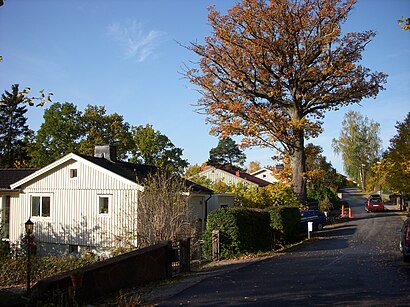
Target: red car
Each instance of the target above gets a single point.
(374, 203)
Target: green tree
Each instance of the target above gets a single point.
(323, 179)
(102, 128)
(226, 155)
(271, 69)
(359, 145)
(14, 131)
(393, 172)
(154, 148)
(59, 134)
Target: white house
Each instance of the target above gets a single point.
(265, 174)
(232, 177)
(80, 201)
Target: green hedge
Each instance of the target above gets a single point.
(285, 224)
(241, 231)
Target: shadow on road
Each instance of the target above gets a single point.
(330, 239)
(372, 215)
(346, 230)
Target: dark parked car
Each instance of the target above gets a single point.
(405, 240)
(317, 217)
(374, 203)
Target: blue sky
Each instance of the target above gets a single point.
(126, 55)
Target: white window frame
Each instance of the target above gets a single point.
(107, 196)
(41, 195)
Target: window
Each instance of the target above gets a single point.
(73, 173)
(40, 206)
(103, 204)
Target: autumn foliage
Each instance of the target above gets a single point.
(271, 69)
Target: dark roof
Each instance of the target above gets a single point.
(249, 177)
(9, 176)
(136, 172)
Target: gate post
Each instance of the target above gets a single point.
(215, 245)
(185, 254)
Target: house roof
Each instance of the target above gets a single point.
(261, 170)
(136, 173)
(249, 177)
(243, 175)
(9, 176)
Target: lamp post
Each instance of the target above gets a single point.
(29, 225)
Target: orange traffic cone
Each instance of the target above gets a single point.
(350, 213)
(343, 210)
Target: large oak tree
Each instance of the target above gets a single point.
(270, 69)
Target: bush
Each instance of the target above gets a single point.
(4, 250)
(13, 270)
(241, 231)
(285, 224)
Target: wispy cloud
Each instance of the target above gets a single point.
(137, 44)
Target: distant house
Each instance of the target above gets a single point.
(232, 177)
(265, 174)
(78, 202)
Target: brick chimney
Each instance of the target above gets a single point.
(108, 152)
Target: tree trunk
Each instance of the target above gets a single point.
(298, 164)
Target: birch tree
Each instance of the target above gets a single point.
(359, 145)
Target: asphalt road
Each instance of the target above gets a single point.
(353, 264)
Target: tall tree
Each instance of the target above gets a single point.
(59, 134)
(226, 155)
(13, 128)
(154, 148)
(394, 168)
(360, 145)
(102, 128)
(271, 69)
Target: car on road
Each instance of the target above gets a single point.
(316, 216)
(405, 240)
(374, 203)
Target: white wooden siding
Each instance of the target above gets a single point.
(74, 217)
(216, 175)
(266, 175)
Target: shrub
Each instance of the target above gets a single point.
(241, 231)
(285, 223)
(13, 270)
(4, 250)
